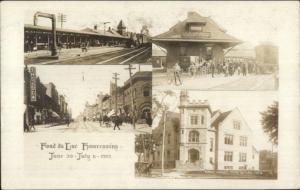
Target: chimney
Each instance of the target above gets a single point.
(95, 27)
(190, 14)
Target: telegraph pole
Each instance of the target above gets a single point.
(116, 93)
(62, 18)
(130, 68)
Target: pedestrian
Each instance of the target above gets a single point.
(31, 124)
(117, 122)
(68, 121)
(177, 70)
(212, 66)
(100, 120)
(26, 122)
(244, 69)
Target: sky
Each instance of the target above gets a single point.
(252, 22)
(250, 104)
(82, 83)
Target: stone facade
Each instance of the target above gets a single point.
(206, 140)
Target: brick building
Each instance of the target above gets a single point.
(43, 102)
(142, 94)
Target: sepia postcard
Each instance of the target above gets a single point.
(150, 95)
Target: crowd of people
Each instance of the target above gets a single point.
(210, 68)
(116, 121)
(227, 68)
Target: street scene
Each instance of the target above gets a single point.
(64, 41)
(197, 53)
(88, 99)
(196, 134)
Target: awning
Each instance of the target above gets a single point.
(54, 114)
(112, 112)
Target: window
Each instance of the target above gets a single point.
(194, 136)
(242, 167)
(211, 144)
(202, 119)
(228, 167)
(243, 141)
(195, 28)
(169, 138)
(237, 125)
(228, 139)
(168, 155)
(243, 157)
(194, 120)
(228, 156)
(146, 91)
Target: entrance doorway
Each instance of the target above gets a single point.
(193, 155)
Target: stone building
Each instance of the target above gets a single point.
(199, 139)
(195, 37)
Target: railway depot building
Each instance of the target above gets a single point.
(40, 37)
(194, 39)
(197, 139)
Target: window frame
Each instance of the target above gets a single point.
(194, 138)
(194, 119)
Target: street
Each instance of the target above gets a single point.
(91, 127)
(94, 55)
(249, 82)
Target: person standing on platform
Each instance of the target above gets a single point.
(177, 70)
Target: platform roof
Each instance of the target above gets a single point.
(86, 31)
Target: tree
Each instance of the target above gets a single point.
(269, 122)
(162, 106)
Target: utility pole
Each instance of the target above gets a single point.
(163, 144)
(131, 90)
(116, 93)
(62, 18)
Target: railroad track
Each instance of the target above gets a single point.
(116, 57)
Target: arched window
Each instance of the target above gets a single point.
(146, 91)
(194, 136)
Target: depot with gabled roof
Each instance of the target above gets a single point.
(195, 36)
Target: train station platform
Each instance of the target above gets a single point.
(41, 56)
